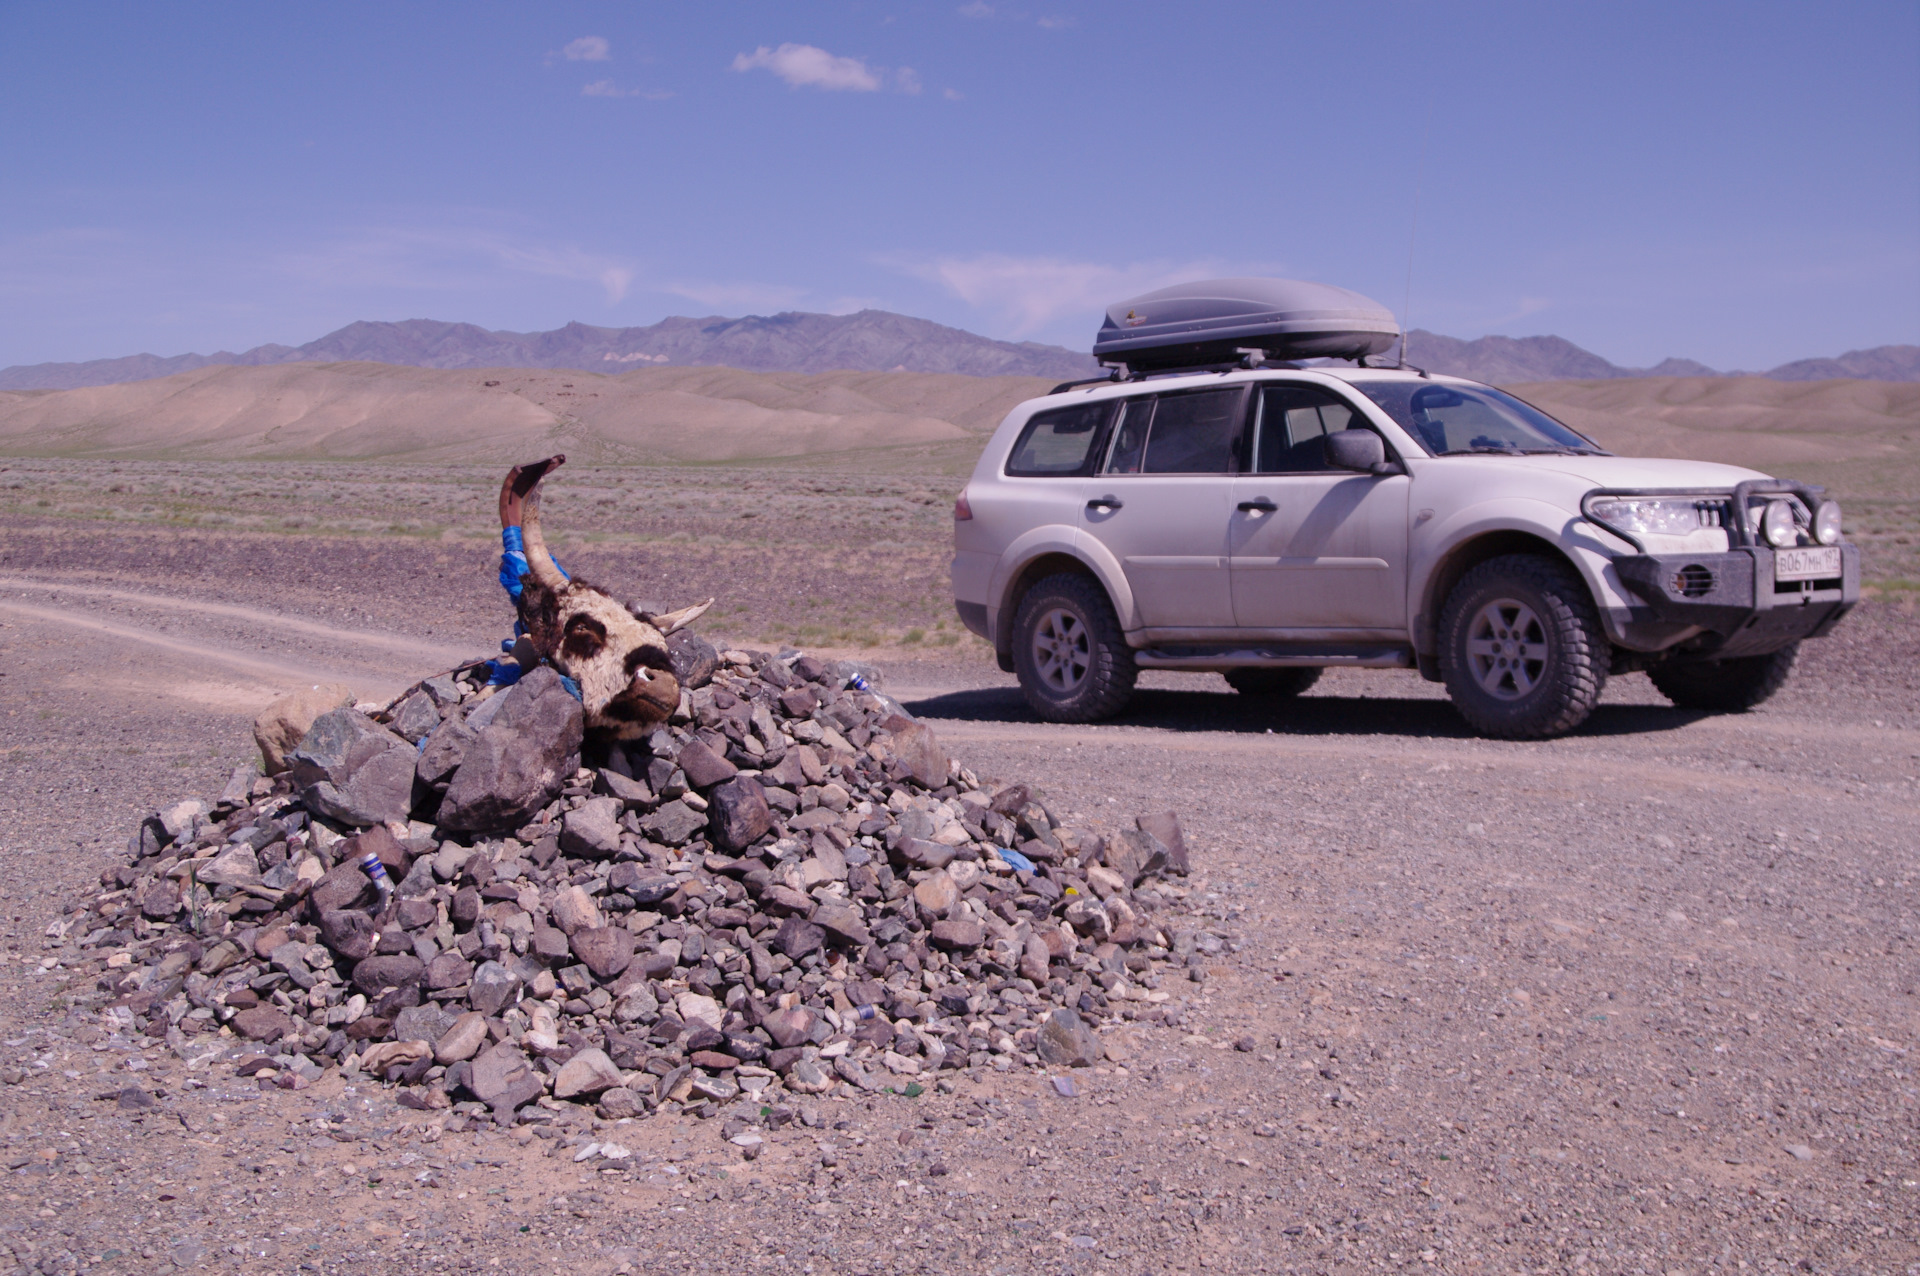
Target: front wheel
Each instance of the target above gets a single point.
(1725, 686)
(1521, 648)
(1073, 661)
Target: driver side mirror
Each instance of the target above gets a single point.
(1361, 451)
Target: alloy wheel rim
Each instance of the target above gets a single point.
(1507, 649)
(1062, 650)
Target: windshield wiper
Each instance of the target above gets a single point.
(1484, 450)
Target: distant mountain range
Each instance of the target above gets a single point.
(870, 341)
(1510, 360)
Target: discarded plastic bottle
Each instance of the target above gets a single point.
(377, 873)
(859, 683)
(863, 1013)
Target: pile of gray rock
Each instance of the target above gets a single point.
(786, 889)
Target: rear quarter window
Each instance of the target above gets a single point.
(1060, 443)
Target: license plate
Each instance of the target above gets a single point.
(1817, 563)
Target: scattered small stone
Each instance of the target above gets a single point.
(1066, 1041)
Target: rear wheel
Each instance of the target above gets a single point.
(1272, 684)
(1521, 648)
(1073, 661)
(1725, 686)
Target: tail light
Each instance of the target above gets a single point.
(962, 511)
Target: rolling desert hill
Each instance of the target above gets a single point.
(870, 341)
(1859, 436)
(371, 412)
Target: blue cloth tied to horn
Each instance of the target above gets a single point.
(514, 570)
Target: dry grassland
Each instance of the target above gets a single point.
(815, 506)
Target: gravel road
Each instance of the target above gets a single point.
(1646, 999)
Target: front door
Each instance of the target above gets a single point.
(1315, 553)
(1160, 505)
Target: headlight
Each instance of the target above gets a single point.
(1654, 515)
(1777, 525)
(1826, 523)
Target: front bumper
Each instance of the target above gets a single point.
(1728, 604)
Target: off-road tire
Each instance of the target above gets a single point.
(1272, 684)
(1725, 686)
(1521, 648)
(1071, 657)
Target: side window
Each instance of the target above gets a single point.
(1130, 439)
(1193, 433)
(1060, 442)
(1289, 423)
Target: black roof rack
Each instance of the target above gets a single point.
(1064, 386)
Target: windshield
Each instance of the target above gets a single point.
(1478, 418)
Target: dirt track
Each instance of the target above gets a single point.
(1642, 1000)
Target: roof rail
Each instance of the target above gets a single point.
(1072, 385)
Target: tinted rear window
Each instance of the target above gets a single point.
(1192, 432)
(1060, 442)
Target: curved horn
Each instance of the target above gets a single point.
(675, 620)
(520, 481)
(520, 507)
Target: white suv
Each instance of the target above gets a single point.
(1267, 523)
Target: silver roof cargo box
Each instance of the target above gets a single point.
(1215, 321)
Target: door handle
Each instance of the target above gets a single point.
(1258, 505)
(1100, 503)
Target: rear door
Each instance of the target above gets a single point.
(1314, 552)
(1160, 504)
(1049, 469)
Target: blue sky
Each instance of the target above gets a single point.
(1736, 183)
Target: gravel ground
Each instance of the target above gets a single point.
(1645, 999)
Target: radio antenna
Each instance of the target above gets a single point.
(1419, 179)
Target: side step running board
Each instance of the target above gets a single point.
(1220, 659)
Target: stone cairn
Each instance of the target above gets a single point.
(785, 890)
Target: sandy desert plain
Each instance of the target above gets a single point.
(1641, 1000)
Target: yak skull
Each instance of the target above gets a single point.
(616, 654)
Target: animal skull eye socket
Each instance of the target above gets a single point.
(584, 637)
(651, 657)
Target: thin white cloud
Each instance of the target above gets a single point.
(1527, 307)
(952, 95)
(1029, 293)
(449, 259)
(981, 11)
(607, 88)
(588, 48)
(806, 66)
(736, 296)
(907, 80)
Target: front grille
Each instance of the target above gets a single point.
(1712, 513)
(1695, 580)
